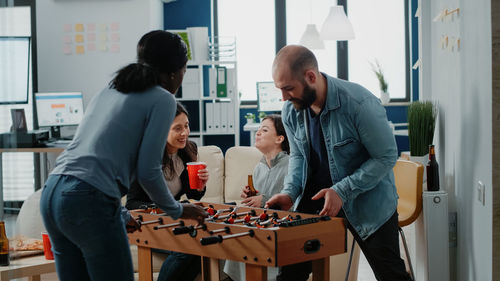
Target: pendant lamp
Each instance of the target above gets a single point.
(337, 26)
(311, 38)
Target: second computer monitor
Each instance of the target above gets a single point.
(269, 98)
(59, 109)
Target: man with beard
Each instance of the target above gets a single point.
(342, 152)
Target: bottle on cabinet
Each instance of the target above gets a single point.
(4, 245)
(432, 170)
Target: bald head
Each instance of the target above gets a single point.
(295, 58)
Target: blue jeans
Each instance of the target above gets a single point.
(179, 266)
(88, 237)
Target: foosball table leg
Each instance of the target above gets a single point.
(144, 260)
(210, 269)
(255, 272)
(321, 269)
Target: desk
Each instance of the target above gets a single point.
(30, 267)
(43, 176)
(252, 128)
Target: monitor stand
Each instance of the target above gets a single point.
(55, 132)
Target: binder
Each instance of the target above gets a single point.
(212, 82)
(191, 84)
(223, 117)
(216, 116)
(230, 117)
(209, 117)
(231, 82)
(221, 82)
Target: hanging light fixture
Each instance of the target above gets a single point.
(311, 38)
(337, 26)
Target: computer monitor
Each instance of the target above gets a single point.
(269, 98)
(59, 109)
(14, 69)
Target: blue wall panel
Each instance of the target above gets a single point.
(187, 13)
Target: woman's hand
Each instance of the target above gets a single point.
(203, 174)
(246, 192)
(253, 201)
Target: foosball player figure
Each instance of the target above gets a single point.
(264, 216)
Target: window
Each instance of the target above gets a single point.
(18, 169)
(252, 23)
(380, 28)
(299, 13)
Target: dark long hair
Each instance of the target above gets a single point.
(187, 154)
(158, 52)
(280, 130)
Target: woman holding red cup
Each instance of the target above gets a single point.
(179, 152)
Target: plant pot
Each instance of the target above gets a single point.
(250, 121)
(385, 98)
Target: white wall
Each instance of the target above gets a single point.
(92, 71)
(461, 83)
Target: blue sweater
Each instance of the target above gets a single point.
(122, 138)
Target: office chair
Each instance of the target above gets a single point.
(408, 178)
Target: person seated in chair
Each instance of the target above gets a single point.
(268, 177)
(178, 151)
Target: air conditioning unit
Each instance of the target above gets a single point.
(435, 212)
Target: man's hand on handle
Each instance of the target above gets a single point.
(333, 202)
(282, 200)
(194, 212)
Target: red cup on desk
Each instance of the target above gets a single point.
(193, 168)
(47, 247)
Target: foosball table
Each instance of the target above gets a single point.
(257, 237)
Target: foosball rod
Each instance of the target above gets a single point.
(180, 223)
(218, 239)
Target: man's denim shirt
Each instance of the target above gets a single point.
(361, 151)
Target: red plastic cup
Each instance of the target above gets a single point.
(194, 180)
(47, 247)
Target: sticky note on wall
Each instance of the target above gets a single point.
(79, 27)
(79, 50)
(79, 38)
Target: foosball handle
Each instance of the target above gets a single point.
(211, 240)
(183, 230)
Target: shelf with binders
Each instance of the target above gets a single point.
(209, 93)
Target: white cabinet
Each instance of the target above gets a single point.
(210, 94)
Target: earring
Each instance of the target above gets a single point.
(172, 77)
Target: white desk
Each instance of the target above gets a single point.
(252, 128)
(31, 267)
(43, 162)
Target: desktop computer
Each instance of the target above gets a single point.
(57, 109)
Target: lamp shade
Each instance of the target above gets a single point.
(311, 38)
(337, 26)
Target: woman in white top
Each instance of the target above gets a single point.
(268, 178)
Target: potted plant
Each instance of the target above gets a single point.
(262, 115)
(421, 123)
(385, 98)
(250, 117)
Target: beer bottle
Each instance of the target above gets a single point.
(432, 171)
(4, 245)
(253, 192)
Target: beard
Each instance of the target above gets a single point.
(308, 98)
